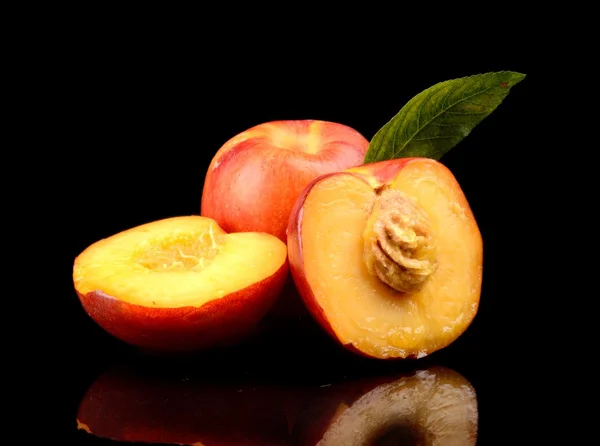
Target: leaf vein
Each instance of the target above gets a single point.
(479, 104)
(451, 92)
(467, 113)
(439, 137)
(428, 117)
(442, 111)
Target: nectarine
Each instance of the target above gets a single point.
(180, 283)
(388, 257)
(255, 178)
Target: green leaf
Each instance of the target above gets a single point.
(437, 119)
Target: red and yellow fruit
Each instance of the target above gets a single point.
(180, 283)
(255, 178)
(388, 257)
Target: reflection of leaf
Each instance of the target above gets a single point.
(437, 119)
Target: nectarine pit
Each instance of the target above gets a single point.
(399, 243)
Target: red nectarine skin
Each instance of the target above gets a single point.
(255, 178)
(217, 322)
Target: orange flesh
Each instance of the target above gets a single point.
(361, 309)
(177, 262)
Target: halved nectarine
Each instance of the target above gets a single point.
(180, 283)
(388, 257)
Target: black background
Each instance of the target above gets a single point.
(142, 115)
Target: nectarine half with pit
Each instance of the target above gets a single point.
(388, 257)
(181, 283)
(255, 178)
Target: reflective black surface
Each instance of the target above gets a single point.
(129, 403)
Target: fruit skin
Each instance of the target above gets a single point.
(219, 322)
(374, 174)
(255, 178)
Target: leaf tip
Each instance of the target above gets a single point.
(513, 79)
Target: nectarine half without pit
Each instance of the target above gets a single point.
(180, 283)
(255, 178)
(388, 257)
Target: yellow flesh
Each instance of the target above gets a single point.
(177, 262)
(361, 309)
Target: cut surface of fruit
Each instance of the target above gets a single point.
(361, 309)
(177, 262)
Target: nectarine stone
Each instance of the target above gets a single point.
(180, 283)
(388, 257)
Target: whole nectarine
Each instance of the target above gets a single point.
(255, 178)
(181, 283)
(388, 257)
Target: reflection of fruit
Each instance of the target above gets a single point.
(180, 283)
(138, 402)
(430, 407)
(126, 405)
(388, 257)
(255, 178)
